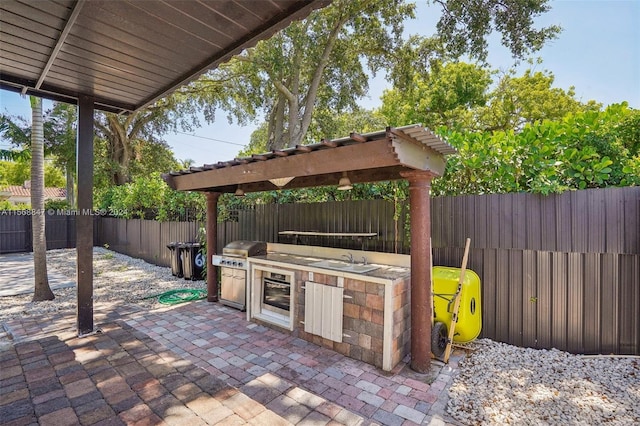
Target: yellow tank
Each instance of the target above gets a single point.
(445, 283)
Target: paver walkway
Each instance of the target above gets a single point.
(200, 363)
(16, 275)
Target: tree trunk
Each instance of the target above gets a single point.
(71, 199)
(42, 291)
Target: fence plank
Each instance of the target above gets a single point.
(632, 221)
(609, 304)
(614, 212)
(629, 304)
(529, 299)
(544, 299)
(592, 302)
(559, 314)
(597, 224)
(516, 275)
(579, 222)
(575, 307)
(502, 295)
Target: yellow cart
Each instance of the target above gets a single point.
(445, 284)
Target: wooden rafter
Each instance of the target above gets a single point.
(382, 156)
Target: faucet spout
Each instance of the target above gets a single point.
(349, 257)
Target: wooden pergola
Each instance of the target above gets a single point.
(410, 152)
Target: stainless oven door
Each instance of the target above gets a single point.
(276, 296)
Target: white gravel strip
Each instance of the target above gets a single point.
(500, 384)
(117, 279)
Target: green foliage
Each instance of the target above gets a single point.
(151, 198)
(517, 101)
(6, 205)
(56, 205)
(177, 204)
(127, 138)
(60, 133)
(444, 96)
(464, 26)
(308, 71)
(584, 150)
(16, 173)
(53, 177)
(132, 200)
(459, 95)
(14, 155)
(15, 130)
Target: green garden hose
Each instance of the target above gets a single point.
(173, 297)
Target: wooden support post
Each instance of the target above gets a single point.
(212, 236)
(421, 298)
(84, 220)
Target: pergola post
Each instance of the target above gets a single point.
(84, 220)
(212, 236)
(421, 298)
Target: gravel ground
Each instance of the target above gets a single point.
(116, 279)
(500, 384)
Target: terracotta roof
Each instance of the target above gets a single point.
(21, 191)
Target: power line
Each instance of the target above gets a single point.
(212, 139)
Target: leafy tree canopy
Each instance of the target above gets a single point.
(460, 95)
(465, 25)
(316, 68)
(17, 172)
(586, 149)
(127, 137)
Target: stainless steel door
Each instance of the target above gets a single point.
(233, 288)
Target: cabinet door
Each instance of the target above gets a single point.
(323, 307)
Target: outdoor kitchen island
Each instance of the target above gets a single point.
(360, 309)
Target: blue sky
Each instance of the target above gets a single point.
(598, 52)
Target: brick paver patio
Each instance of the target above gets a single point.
(200, 363)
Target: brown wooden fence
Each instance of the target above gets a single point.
(145, 239)
(557, 271)
(16, 237)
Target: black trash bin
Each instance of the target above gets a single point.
(193, 261)
(176, 259)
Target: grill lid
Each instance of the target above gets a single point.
(245, 248)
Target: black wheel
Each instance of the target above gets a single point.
(439, 338)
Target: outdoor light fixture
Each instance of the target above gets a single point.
(280, 182)
(345, 183)
(239, 192)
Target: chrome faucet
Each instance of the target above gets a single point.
(364, 260)
(349, 256)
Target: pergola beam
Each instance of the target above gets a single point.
(61, 40)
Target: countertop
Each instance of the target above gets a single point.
(384, 272)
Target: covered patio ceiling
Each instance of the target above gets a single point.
(121, 56)
(370, 157)
(127, 54)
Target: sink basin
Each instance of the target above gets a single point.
(344, 266)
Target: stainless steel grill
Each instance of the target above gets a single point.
(233, 263)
